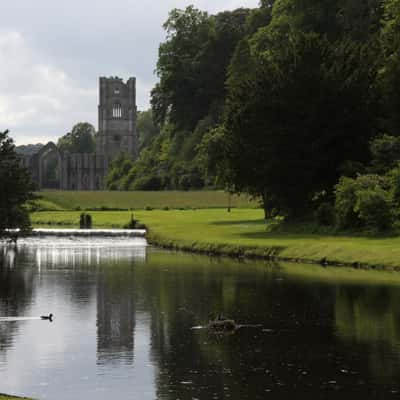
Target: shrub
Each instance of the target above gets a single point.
(374, 209)
(85, 221)
(345, 200)
(394, 182)
(325, 214)
(385, 153)
(89, 221)
(364, 202)
(131, 224)
(191, 180)
(149, 182)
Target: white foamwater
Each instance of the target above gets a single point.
(56, 251)
(89, 232)
(13, 319)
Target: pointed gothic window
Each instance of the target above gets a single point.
(117, 111)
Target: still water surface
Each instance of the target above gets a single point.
(124, 315)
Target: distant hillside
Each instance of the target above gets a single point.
(29, 149)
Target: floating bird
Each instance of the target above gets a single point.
(47, 317)
(222, 324)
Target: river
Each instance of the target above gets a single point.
(125, 312)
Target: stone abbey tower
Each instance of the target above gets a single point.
(117, 118)
(52, 169)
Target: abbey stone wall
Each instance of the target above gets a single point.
(117, 134)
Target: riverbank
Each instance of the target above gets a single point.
(240, 233)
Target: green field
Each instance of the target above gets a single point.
(140, 200)
(242, 232)
(5, 397)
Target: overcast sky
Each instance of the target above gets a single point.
(52, 53)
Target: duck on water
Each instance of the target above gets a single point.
(222, 324)
(47, 317)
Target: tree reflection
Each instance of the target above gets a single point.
(184, 291)
(318, 336)
(115, 314)
(370, 316)
(16, 292)
(297, 350)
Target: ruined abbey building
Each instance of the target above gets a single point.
(53, 169)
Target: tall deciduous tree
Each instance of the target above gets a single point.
(390, 73)
(317, 16)
(146, 127)
(177, 66)
(192, 64)
(80, 140)
(359, 19)
(15, 189)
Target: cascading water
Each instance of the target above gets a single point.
(89, 232)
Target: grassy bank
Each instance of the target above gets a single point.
(242, 232)
(5, 397)
(55, 200)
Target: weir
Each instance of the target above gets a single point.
(89, 232)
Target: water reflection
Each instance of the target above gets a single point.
(371, 315)
(251, 363)
(78, 252)
(7, 255)
(115, 297)
(15, 296)
(115, 316)
(124, 317)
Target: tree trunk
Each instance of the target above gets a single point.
(265, 205)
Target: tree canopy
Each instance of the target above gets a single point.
(81, 139)
(390, 71)
(302, 102)
(146, 127)
(15, 189)
(187, 101)
(304, 109)
(278, 101)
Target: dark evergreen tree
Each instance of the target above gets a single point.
(305, 106)
(390, 72)
(15, 189)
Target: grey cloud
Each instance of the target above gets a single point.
(53, 52)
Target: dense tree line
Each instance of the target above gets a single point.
(186, 103)
(280, 101)
(305, 107)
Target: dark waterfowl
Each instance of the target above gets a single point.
(47, 317)
(222, 324)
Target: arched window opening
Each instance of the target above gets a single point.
(117, 111)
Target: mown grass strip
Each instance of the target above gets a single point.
(241, 233)
(140, 200)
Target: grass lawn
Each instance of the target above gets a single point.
(5, 397)
(241, 232)
(68, 200)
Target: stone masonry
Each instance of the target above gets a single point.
(53, 169)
